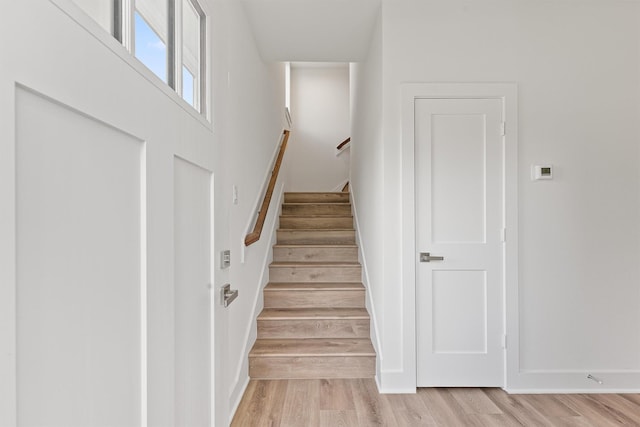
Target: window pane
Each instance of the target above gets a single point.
(150, 48)
(187, 86)
(190, 53)
(156, 13)
(100, 10)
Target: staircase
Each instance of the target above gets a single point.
(314, 323)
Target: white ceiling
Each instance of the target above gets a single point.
(317, 64)
(312, 30)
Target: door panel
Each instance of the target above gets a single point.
(193, 237)
(457, 164)
(79, 268)
(459, 307)
(459, 176)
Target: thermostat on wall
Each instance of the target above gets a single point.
(541, 172)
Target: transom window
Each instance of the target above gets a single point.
(167, 36)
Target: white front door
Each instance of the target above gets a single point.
(459, 217)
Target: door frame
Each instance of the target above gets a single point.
(508, 93)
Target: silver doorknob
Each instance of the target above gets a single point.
(427, 257)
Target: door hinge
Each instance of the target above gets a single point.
(504, 341)
(503, 128)
(503, 235)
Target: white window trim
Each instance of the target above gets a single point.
(121, 50)
(200, 74)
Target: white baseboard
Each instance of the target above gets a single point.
(238, 399)
(573, 381)
(395, 382)
(571, 391)
(392, 390)
(375, 337)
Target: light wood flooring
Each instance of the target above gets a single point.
(356, 402)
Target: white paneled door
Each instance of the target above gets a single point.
(459, 223)
(193, 234)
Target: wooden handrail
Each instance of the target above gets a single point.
(254, 236)
(343, 143)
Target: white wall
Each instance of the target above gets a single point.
(367, 175)
(249, 99)
(65, 59)
(577, 66)
(320, 114)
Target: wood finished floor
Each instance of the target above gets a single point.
(339, 402)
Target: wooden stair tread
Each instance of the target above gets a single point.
(319, 246)
(316, 216)
(315, 203)
(341, 196)
(314, 252)
(328, 216)
(314, 286)
(311, 347)
(328, 236)
(315, 230)
(300, 294)
(312, 192)
(316, 208)
(307, 222)
(313, 313)
(314, 264)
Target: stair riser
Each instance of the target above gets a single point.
(313, 298)
(315, 254)
(311, 367)
(320, 237)
(315, 274)
(316, 198)
(328, 328)
(316, 209)
(316, 223)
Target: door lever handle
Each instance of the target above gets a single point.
(427, 257)
(227, 295)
